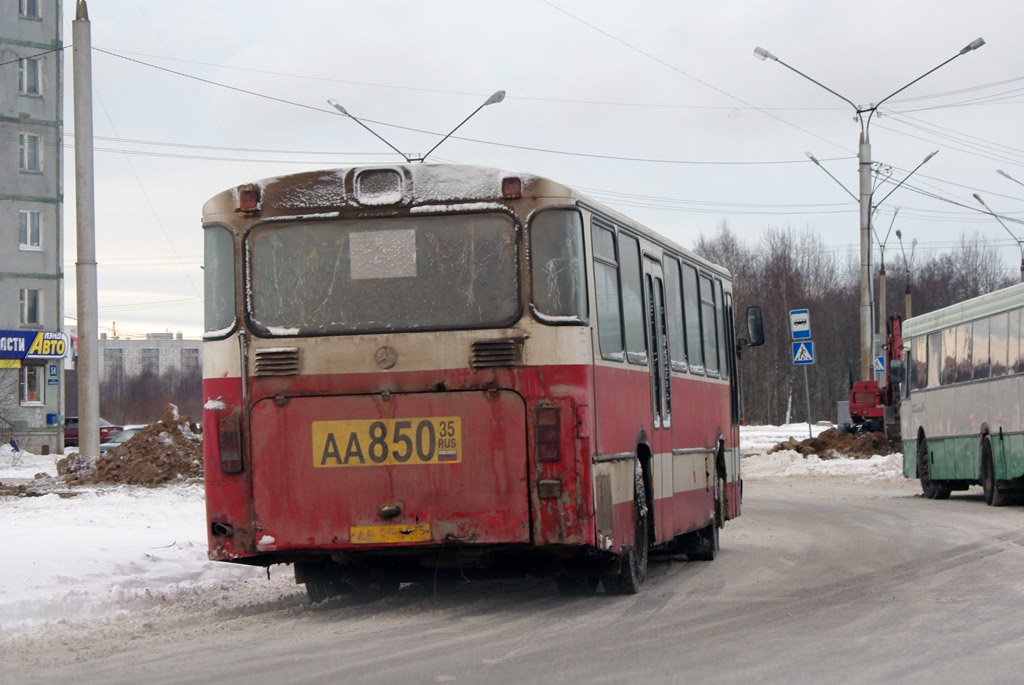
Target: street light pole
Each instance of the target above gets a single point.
(864, 161)
(1019, 241)
(881, 275)
(906, 264)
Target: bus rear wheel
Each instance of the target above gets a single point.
(633, 562)
(931, 490)
(994, 495)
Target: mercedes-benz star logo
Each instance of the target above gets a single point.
(386, 357)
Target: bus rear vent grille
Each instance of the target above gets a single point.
(277, 361)
(490, 353)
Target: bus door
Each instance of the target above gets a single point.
(661, 397)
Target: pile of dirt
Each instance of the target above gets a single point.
(833, 443)
(170, 449)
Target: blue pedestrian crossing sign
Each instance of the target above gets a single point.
(803, 352)
(879, 364)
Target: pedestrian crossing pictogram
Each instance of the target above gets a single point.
(803, 352)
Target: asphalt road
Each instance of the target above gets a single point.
(820, 580)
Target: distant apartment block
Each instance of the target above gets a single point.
(159, 352)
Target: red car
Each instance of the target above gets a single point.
(107, 431)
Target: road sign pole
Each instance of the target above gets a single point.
(807, 391)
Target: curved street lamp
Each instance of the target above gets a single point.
(1019, 241)
(864, 157)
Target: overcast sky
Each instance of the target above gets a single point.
(657, 108)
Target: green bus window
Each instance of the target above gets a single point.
(964, 360)
(1014, 356)
(980, 351)
(998, 344)
(934, 360)
(948, 376)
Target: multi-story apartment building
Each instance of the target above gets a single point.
(158, 352)
(31, 236)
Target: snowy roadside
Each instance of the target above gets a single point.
(757, 464)
(110, 551)
(104, 551)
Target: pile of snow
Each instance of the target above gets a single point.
(756, 441)
(81, 552)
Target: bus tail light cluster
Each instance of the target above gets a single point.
(548, 422)
(229, 443)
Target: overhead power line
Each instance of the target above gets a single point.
(570, 153)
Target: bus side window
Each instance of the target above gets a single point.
(720, 319)
(674, 303)
(1016, 359)
(709, 326)
(558, 278)
(218, 282)
(632, 299)
(998, 328)
(964, 359)
(980, 350)
(948, 376)
(918, 366)
(606, 292)
(691, 315)
(934, 359)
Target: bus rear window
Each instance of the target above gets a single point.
(383, 275)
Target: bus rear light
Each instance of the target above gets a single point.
(512, 187)
(248, 197)
(229, 443)
(548, 425)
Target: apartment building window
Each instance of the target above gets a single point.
(31, 384)
(29, 230)
(29, 9)
(31, 307)
(31, 152)
(28, 76)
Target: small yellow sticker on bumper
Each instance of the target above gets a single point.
(365, 535)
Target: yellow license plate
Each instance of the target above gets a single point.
(393, 442)
(418, 532)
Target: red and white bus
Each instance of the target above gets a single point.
(418, 369)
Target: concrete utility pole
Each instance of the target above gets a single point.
(864, 160)
(88, 316)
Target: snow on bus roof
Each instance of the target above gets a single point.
(438, 184)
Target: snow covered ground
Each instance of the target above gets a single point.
(112, 550)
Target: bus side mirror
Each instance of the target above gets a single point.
(755, 330)
(896, 371)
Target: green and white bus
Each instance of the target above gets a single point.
(962, 421)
